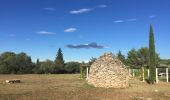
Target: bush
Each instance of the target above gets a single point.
(72, 67)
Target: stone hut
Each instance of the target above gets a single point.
(108, 71)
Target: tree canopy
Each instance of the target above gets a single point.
(121, 57)
(15, 63)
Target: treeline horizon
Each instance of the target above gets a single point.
(21, 63)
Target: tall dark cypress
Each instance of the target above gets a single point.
(152, 59)
(59, 58)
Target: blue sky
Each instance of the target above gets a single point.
(82, 28)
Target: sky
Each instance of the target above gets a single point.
(82, 28)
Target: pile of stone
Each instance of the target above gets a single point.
(13, 81)
(108, 71)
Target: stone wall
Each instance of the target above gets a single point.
(107, 71)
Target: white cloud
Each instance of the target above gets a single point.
(131, 20)
(79, 11)
(70, 30)
(118, 21)
(49, 9)
(102, 6)
(45, 33)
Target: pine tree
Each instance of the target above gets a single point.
(132, 59)
(59, 61)
(121, 57)
(37, 62)
(152, 58)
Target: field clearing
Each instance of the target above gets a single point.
(70, 87)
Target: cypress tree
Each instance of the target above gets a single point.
(152, 59)
(37, 62)
(59, 61)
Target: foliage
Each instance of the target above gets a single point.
(82, 71)
(46, 67)
(140, 58)
(92, 60)
(168, 63)
(11, 63)
(152, 57)
(121, 57)
(59, 62)
(72, 67)
(15, 63)
(143, 56)
(59, 58)
(132, 59)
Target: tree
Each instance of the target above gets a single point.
(8, 63)
(140, 59)
(24, 63)
(143, 56)
(168, 63)
(59, 61)
(121, 57)
(152, 57)
(132, 59)
(46, 67)
(37, 66)
(72, 67)
(82, 70)
(11, 63)
(143, 60)
(158, 59)
(92, 60)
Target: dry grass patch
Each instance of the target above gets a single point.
(71, 87)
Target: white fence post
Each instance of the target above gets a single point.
(143, 74)
(133, 73)
(156, 75)
(148, 73)
(87, 72)
(167, 77)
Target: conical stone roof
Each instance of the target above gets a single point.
(108, 71)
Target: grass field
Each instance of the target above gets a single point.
(70, 87)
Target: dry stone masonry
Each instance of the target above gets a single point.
(108, 71)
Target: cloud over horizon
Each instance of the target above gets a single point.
(118, 21)
(84, 10)
(125, 20)
(79, 11)
(45, 33)
(86, 46)
(70, 30)
(49, 9)
(102, 6)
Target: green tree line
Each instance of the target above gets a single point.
(138, 58)
(12, 63)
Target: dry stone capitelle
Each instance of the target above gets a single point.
(108, 71)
